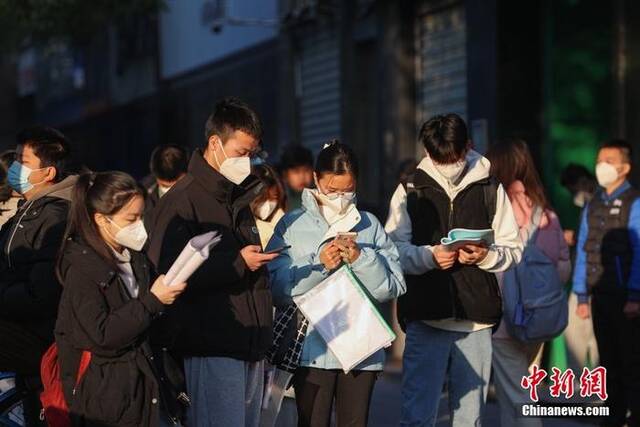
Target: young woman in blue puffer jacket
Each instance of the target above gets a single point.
(314, 254)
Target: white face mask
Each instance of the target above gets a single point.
(336, 202)
(606, 174)
(265, 210)
(133, 236)
(235, 169)
(451, 172)
(581, 198)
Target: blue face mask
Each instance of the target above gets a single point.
(18, 177)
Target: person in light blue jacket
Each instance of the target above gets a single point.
(314, 254)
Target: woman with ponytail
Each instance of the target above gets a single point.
(108, 304)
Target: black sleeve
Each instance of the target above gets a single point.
(225, 265)
(37, 295)
(109, 329)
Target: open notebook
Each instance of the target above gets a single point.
(459, 237)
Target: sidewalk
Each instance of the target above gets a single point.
(385, 408)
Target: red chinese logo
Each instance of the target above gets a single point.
(592, 382)
(532, 381)
(562, 383)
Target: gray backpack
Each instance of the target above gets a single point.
(534, 300)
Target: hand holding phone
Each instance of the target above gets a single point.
(349, 250)
(345, 238)
(278, 250)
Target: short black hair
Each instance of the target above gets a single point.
(573, 174)
(49, 145)
(622, 145)
(445, 138)
(295, 156)
(338, 159)
(169, 162)
(230, 115)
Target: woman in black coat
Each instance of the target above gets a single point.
(107, 308)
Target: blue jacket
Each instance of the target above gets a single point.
(580, 271)
(298, 269)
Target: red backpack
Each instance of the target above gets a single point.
(55, 408)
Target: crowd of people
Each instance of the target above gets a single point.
(84, 256)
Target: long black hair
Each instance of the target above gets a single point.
(338, 159)
(102, 192)
(270, 178)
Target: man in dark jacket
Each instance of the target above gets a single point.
(168, 165)
(607, 272)
(29, 291)
(222, 325)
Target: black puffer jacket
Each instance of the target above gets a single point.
(29, 291)
(226, 310)
(122, 385)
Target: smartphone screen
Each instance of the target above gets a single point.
(278, 250)
(344, 238)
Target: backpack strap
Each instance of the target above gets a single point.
(491, 197)
(412, 194)
(534, 224)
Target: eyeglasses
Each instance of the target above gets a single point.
(336, 195)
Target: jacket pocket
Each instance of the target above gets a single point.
(104, 395)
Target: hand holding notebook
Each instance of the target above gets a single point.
(195, 252)
(460, 237)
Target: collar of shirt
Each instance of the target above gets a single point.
(609, 197)
(124, 257)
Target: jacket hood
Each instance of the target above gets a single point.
(478, 168)
(61, 190)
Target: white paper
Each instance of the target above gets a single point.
(345, 318)
(195, 252)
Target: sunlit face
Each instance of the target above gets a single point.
(26, 156)
(239, 144)
(615, 157)
(299, 178)
(271, 193)
(332, 184)
(130, 213)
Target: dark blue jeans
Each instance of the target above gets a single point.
(434, 356)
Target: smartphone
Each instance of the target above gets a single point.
(344, 238)
(277, 250)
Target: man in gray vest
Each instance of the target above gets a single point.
(608, 270)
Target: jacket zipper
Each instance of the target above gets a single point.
(453, 302)
(450, 214)
(255, 338)
(13, 234)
